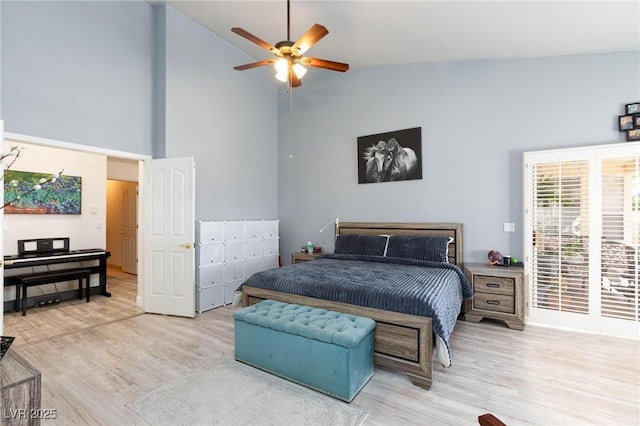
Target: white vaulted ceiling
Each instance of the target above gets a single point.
(368, 33)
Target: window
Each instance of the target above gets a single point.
(581, 245)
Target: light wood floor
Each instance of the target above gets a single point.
(96, 357)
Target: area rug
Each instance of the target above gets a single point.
(228, 392)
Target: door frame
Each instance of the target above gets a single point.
(35, 140)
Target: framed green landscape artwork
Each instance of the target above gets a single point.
(38, 193)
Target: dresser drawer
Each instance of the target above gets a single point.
(493, 302)
(209, 253)
(234, 251)
(234, 230)
(210, 232)
(270, 247)
(494, 285)
(253, 229)
(253, 248)
(270, 229)
(209, 275)
(209, 298)
(233, 271)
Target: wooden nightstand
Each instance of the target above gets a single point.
(302, 257)
(498, 293)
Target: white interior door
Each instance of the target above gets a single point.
(130, 228)
(169, 235)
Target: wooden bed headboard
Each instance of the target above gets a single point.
(453, 230)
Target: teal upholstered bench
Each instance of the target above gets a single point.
(328, 351)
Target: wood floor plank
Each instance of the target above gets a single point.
(95, 361)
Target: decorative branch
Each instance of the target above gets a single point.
(14, 153)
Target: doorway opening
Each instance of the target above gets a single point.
(122, 225)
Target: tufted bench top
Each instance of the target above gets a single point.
(319, 324)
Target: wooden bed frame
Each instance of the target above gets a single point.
(402, 341)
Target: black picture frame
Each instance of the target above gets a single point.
(625, 122)
(390, 156)
(633, 108)
(633, 135)
(636, 121)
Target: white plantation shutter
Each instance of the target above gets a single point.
(619, 247)
(582, 217)
(560, 256)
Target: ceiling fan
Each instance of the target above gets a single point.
(289, 62)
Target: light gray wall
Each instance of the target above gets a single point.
(477, 119)
(145, 79)
(83, 72)
(79, 72)
(225, 118)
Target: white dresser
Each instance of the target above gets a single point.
(228, 252)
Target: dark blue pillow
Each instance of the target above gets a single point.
(422, 247)
(371, 245)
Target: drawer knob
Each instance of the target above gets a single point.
(493, 302)
(493, 285)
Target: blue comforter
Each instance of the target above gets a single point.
(430, 289)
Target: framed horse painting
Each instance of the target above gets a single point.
(391, 156)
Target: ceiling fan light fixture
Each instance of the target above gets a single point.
(282, 65)
(283, 76)
(299, 70)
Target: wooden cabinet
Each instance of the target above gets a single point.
(302, 257)
(498, 293)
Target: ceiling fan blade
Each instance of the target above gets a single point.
(323, 63)
(256, 40)
(254, 64)
(308, 39)
(295, 81)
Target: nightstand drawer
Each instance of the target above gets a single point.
(494, 285)
(302, 257)
(493, 302)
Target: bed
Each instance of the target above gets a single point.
(376, 272)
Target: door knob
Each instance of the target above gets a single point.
(186, 245)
